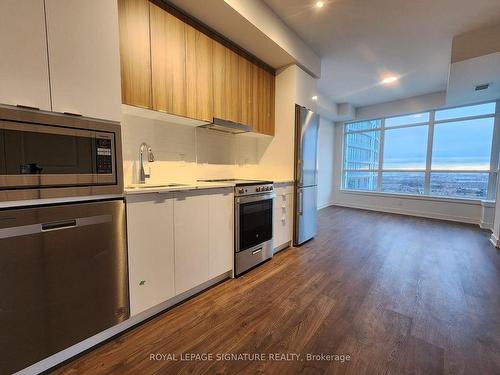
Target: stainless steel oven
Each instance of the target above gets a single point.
(47, 155)
(253, 230)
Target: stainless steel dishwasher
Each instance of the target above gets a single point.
(63, 278)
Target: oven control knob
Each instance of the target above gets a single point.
(241, 191)
(258, 188)
(270, 188)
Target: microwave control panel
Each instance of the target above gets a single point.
(104, 158)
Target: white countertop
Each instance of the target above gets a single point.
(162, 188)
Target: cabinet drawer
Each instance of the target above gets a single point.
(283, 189)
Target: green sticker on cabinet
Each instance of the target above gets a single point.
(142, 282)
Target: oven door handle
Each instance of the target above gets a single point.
(254, 198)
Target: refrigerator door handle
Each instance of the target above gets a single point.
(299, 171)
(301, 198)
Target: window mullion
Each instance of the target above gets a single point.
(381, 155)
(494, 157)
(428, 160)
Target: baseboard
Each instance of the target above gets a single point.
(495, 241)
(282, 247)
(485, 225)
(459, 219)
(91, 342)
(325, 205)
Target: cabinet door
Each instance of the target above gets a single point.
(266, 102)
(226, 83)
(24, 70)
(232, 86)
(199, 87)
(219, 79)
(150, 229)
(84, 57)
(255, 100)
(221, 232)
(191, 240)
(245, 91)
(168, 62)
(135, 52)
(283, 218)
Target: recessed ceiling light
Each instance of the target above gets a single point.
(319, 4)
(315, 97)
(390, 79)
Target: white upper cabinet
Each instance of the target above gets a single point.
(24, 72)
(84, 57)
(191, 240)
(221, 235)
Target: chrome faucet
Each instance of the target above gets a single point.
(151, 158)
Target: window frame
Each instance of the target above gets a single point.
(494, 156)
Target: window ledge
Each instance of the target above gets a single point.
(469, 201)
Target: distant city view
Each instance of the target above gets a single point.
(459, 159)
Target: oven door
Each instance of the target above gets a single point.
(45, 156)
(254, 220)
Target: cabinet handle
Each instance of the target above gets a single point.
(22, 106)
(73, 114)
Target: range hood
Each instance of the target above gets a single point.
(226, 126)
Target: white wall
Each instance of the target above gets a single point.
(403, 106)
(461, 210)
(326, 163)
(262, 17)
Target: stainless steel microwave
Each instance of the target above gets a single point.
(48, 155)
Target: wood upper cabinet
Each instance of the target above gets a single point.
(199, 82)
(135, 52)
(170, 66)
(266, 102)
(226, 83)
(24, 70)
(262, 100)
(168, 62)
(245, 92)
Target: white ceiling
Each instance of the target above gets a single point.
(221, 17)
(361, 40)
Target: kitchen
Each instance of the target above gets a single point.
(165, 163)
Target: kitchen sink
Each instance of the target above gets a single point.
(146, 186)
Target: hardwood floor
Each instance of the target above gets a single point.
(400, 295)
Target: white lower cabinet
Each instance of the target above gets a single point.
(283, 216)
(221, 232)
(150, 232)
(177, 241)
(191, 240)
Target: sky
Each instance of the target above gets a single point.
(456, 145)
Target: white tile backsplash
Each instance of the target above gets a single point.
(184, 153)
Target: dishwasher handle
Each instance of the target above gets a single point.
(46, 227)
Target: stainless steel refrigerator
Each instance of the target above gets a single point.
(306, 175)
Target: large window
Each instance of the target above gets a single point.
(447, 153)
